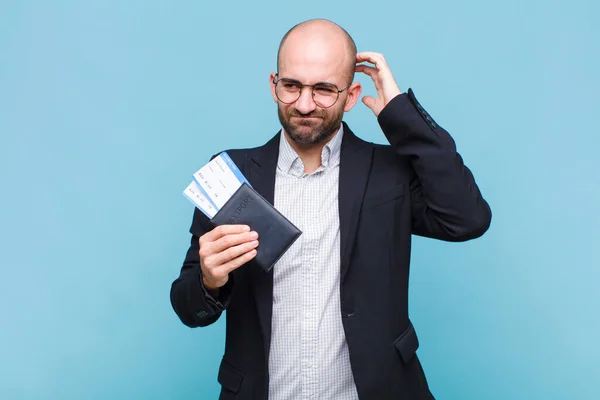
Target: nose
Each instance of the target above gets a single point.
(305, 103)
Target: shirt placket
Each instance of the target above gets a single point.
(310, 286)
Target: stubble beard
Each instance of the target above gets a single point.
(309, 132)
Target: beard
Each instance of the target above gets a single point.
(310, 131)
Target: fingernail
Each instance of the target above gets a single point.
(253, 235)
(246, 228)
(255, 243)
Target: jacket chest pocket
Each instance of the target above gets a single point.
(383, 197)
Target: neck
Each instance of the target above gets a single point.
(310, 154)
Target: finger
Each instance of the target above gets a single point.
(231, 240)
(370, 56)
(234, 252)
(223, 230)
(371, 71)
(369, 102)
(239, 261)
(373, 58)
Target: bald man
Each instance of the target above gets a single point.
(330, 320)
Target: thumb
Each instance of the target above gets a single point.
(369, 101)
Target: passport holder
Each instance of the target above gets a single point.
(275, 232)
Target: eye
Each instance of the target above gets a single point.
(290, 85)
(325, 89)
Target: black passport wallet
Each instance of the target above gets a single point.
(275, 232)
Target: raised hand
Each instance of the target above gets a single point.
(382, 76)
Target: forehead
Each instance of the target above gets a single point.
(312, 61)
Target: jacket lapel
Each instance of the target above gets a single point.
(355, 166)
(262, 165)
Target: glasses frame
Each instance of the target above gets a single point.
(312, 91)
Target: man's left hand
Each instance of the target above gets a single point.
(382, 76)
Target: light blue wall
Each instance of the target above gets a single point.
(107, 107)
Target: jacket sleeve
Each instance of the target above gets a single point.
(194, 305)
(445, 200)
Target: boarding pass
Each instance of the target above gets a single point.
(214, 184)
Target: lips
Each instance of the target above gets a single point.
(304, 121)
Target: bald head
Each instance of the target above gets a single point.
(319, 41)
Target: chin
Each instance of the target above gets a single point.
(306, 130)
(305, 138)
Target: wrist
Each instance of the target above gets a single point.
(211, 288)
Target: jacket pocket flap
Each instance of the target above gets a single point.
(407, 343)
(385, 196)
(230, 377)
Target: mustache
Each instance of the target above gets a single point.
(312, 114)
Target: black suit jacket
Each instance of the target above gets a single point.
(416, 185)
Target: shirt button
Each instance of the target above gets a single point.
(306, 314)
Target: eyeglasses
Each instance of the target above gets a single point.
(324, 94)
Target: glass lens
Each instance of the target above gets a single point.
(288, 91)
(325, 95)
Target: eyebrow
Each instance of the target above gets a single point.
(316, 83)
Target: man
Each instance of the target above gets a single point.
(330, 321)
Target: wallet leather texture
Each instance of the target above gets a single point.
(275, 232)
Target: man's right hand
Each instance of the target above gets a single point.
(224, 249)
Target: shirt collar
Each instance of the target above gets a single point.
(289, 161)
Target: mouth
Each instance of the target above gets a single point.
(306, 118)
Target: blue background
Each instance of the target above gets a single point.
(107, 108)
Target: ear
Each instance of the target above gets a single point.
(354, 92)
(271, 80)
